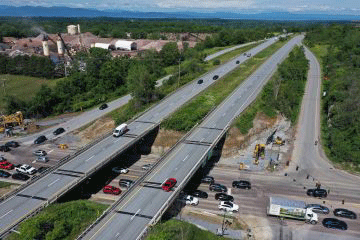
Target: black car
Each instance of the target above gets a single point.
(125, 183)
(20, 176)
(342, 212)
(241, 184)
(237, 62)
(40, 139)
(12, 144)
(198, 193)
(4, 148)
(215, 77)
(317, 192)
(334, 223)
(4, 174)
(103, 106)
(59, 131)
(200, 81)
(208, 179)
(217, 187)
(317, 208)
(224, 197)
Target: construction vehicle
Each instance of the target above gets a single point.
(63, 146)
(259, 151)
(279, 141)
(16, 119)
(243, 166)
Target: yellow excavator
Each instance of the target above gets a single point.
(259, 151)
(279, 141)
(16, 119)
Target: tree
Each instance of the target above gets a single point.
(141, 84)
(170, 54)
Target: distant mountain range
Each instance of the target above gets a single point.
(29, 11)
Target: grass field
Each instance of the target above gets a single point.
(22, 87)
(4, 184)
(179, 230)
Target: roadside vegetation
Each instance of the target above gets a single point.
(179, 230)
(338, 48)
(60, 221)
(282, 94)
(187, 116)
(4, 184)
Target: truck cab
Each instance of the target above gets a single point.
(311, 217)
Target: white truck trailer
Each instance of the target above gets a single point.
(287, 208)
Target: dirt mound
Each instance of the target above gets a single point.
(96, 129)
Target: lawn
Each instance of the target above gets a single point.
(22, 87)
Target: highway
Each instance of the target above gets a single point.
(51, 186)
(147, 201)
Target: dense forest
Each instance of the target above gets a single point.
(341, 96)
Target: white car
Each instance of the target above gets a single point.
(120, 170)
(228, 206)
(190, 200)
(25, 169)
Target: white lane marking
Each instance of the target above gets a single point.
(90, 158)
(135, 214)
(53, 182)
(51, 150)
(34, 161)
(117, 140)
(202, 139)
(117, 234)
(185, 158)
(176, 169)
(6, 213)
(224, 114)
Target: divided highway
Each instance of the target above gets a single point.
(146, 202)
(47, 189)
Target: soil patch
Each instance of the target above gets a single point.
(95, 130)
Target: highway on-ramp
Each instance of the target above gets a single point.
(147, 200)
(48, 188)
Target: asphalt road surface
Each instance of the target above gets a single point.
(137, 210)
(68, 175)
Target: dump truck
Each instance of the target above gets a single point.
(288, 208)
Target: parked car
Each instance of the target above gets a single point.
(103, 106)
(40, 139)
(4, 148)
(237, 62)
(207, 179)
(4, 174)
(24, 168)
(200, 81)
(241, 184)
(120, 170)
(6, 165)
(228, 206)
(215, 77)
(317, 192)
(189, 200)
(2, 159)
(111, 190)
(198, 193)
(146, 167)
(317, 208)
(217, 187)
(59, 131)
(39, 153)
(334, 223)
(20, 176)
(42, 159)
(248, 55)
(342, 212)
(169, 184)
(224, 197)
(12, 144)
(125, 183)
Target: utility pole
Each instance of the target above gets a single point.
(179, 73)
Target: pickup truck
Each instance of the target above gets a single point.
(25, 169)
(287, 208)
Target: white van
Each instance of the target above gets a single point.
(120, 130)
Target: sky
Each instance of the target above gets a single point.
(343, 7)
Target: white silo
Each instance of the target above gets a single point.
(60, 47)
(72, 29)
(45, 46)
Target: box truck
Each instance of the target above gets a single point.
(287, 208)
(120, 130)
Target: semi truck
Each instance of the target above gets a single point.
(288, 208)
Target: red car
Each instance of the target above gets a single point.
(111, 190)
(6, 165)
(169, 184)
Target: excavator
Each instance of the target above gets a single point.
(16, 119)
(259, 152)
